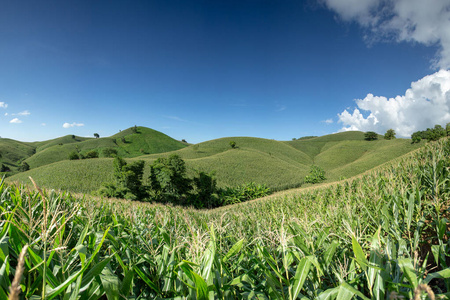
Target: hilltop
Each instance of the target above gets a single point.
(278, 164)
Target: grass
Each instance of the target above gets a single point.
(375, 236)
(279, 165)
(127, 143)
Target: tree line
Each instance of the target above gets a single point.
(169, 183)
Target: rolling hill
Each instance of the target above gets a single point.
(131, 142)
(278, 164)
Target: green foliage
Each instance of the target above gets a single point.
(245, 192)
(389, 135)
(74, 155)
(4, 168)
(128, 181)
(233, 144)
(24, 167)
(447, 129)
(416, 137)
(204, 191)
(96, 135)
(168, 181)
(91, 154)
(370, 136)
(109, 152)
(316, 175)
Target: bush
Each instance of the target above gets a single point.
(24, 167)
(91, 154)
(370, 136)
(109, 152)
(316, 175)
(243, 193)
(74, 155)
(233, 144)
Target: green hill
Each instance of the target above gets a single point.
(127, 143)
(278, 164)
(12, 152)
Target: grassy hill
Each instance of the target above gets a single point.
(279, 165)
(381, 235)
(131, 142)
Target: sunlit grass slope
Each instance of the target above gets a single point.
(381, 235)
(12, 152)
(279, 165)
(127, 143)
(347, 154)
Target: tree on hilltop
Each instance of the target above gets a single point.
(96, 135)
(389, 135)
(370, 136)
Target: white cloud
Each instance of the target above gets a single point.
(424, 105)
(69, 125)
(43, 124)
(423, 21)
(6, 114)
(3, 105)
(328, 121)
(23, 113)
(15, 121)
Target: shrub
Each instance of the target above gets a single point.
(74, 155)
(316, 175)
(109, 152)
(233, 144)
(91, 154)
(24, 167)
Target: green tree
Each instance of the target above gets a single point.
(168, 181)
(370, 136)
(316, 175)
(74, 155)
(91, 154)
(24, 167)
(96, 135)
(447, 128)
(233, 144)
(416, 137)
(128, 181)
(4, 168)
(204, 191)
(109, 152)
(389, 135)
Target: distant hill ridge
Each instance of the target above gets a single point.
(132, 142)
(278, 164)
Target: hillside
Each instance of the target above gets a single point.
(131, 142)
(380, 235)
(279, 165)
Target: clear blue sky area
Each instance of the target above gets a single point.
(195, 70)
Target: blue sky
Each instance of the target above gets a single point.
(200, 70)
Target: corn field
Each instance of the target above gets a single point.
(382, 235)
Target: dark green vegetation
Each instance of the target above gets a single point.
(431, 134)
(381, 235)
(278, 165)
(168, 183)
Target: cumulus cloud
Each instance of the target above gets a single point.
(424, 105)
(70, 125)
(3, 105)
(15, 121)
(426, 22)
